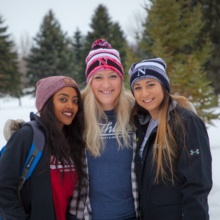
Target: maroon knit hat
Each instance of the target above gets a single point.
(48, 86)
(103, 57)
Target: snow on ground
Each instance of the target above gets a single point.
(10, 109)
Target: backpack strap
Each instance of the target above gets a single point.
(1, 152)
(35, 153)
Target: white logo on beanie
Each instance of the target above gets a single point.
(142, 71)
(102, 56)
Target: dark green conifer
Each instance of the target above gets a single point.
(103, 27)
(173, 29)
(51, 53)
(211, 20)
(79, 70)
(9, 74)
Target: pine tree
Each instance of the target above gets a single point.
(132, 56)
(173, 28)
(118, 41)
(79, 70)
(51, 53)
(102, 27)
(9, 75)
(211, 18)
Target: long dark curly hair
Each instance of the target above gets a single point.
(66, 145)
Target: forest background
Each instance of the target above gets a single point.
(185, 33)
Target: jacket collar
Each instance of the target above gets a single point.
(144, 119)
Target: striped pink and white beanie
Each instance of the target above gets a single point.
(103, 57)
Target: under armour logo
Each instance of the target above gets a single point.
(192, 152)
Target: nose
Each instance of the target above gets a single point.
(145, 92)
(106, 83)
(69, 105)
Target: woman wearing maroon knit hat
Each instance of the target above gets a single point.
(48, 192)
(110, 145)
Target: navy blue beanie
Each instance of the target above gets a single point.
(152, 68)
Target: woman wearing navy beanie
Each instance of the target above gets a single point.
(173, 159)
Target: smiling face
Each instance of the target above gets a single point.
(65, 103)
(106, 86)
(149, 94)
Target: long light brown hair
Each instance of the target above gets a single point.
(165, 150)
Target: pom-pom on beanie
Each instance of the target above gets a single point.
(103, 57)
(47, 87)
(152, 68)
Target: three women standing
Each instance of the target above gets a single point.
(172, 160)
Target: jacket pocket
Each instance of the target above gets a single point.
(162, 196)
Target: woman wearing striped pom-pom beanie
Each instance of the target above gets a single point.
(112, 183)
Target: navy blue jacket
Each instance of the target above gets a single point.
(187, 199)
(35, 200)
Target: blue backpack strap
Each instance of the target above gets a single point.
(1, 152)
(35, 153)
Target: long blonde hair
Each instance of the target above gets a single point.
(94, 113)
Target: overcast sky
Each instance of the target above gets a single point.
(24, 17)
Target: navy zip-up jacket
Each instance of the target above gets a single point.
(187, 199)
(35, 200)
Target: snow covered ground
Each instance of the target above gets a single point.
(9, 108)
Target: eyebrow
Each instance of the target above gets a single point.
(149, 81)
(101, 74)
(64, 94)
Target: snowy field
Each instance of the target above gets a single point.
(9, 108)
